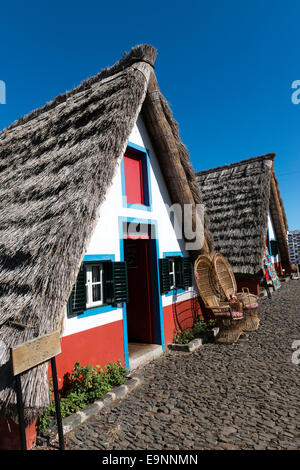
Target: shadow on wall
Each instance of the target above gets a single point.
(186, 312)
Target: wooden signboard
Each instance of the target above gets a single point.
(34, 352)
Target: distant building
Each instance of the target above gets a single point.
(293, 240)
(247, 219)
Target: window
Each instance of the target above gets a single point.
(99, 284)
(172, 273)
(94, 285)
(136, 181)
(175, 273)
(134, 185)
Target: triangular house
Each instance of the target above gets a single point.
(247, 216)
(74, 175)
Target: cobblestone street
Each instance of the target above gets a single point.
(242, 396)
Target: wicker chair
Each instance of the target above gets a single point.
(228, 314)
(225, 278)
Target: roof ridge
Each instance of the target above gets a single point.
(267, 156)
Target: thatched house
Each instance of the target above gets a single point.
(85, 182)
(246, 216)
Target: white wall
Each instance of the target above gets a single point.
(105, 239)
(272, 237)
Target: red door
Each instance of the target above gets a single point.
(140, 317)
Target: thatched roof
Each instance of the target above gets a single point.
(238, 198)
(56, 166)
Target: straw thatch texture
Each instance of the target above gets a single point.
(175, 161)
(238, 198)
(56, 166)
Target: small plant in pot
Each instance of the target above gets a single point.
(200, 328)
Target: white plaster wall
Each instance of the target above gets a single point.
(272, 237)
(105, 239)
(271, 229)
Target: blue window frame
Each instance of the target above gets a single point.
(147, 206)
(171, 255)
(103, 308)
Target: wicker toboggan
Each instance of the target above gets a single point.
(229, 315)
(225, 278)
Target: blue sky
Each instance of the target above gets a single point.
(225, 66)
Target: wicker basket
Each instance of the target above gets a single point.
(250, 321)
(246, 298)
(225, 278)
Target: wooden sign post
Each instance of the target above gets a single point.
(26, 356)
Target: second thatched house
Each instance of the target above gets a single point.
(247, 218)
(88, 242)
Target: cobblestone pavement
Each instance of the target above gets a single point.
(242, 396)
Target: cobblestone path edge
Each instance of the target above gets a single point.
(74, 420)
(195, 343)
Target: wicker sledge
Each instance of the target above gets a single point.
(229, 315)
(226, 279)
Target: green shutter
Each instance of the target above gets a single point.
(164, 274)
(77, 299)
(119, 282)
(179, 278)
(108, 288)
(274, 247)
(187, 273)
(183, 273)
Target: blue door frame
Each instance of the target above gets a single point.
(158, 310)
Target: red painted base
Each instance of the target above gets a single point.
(97, 346)
(180, 316)
(10, 435)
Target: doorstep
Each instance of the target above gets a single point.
(141, 353)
